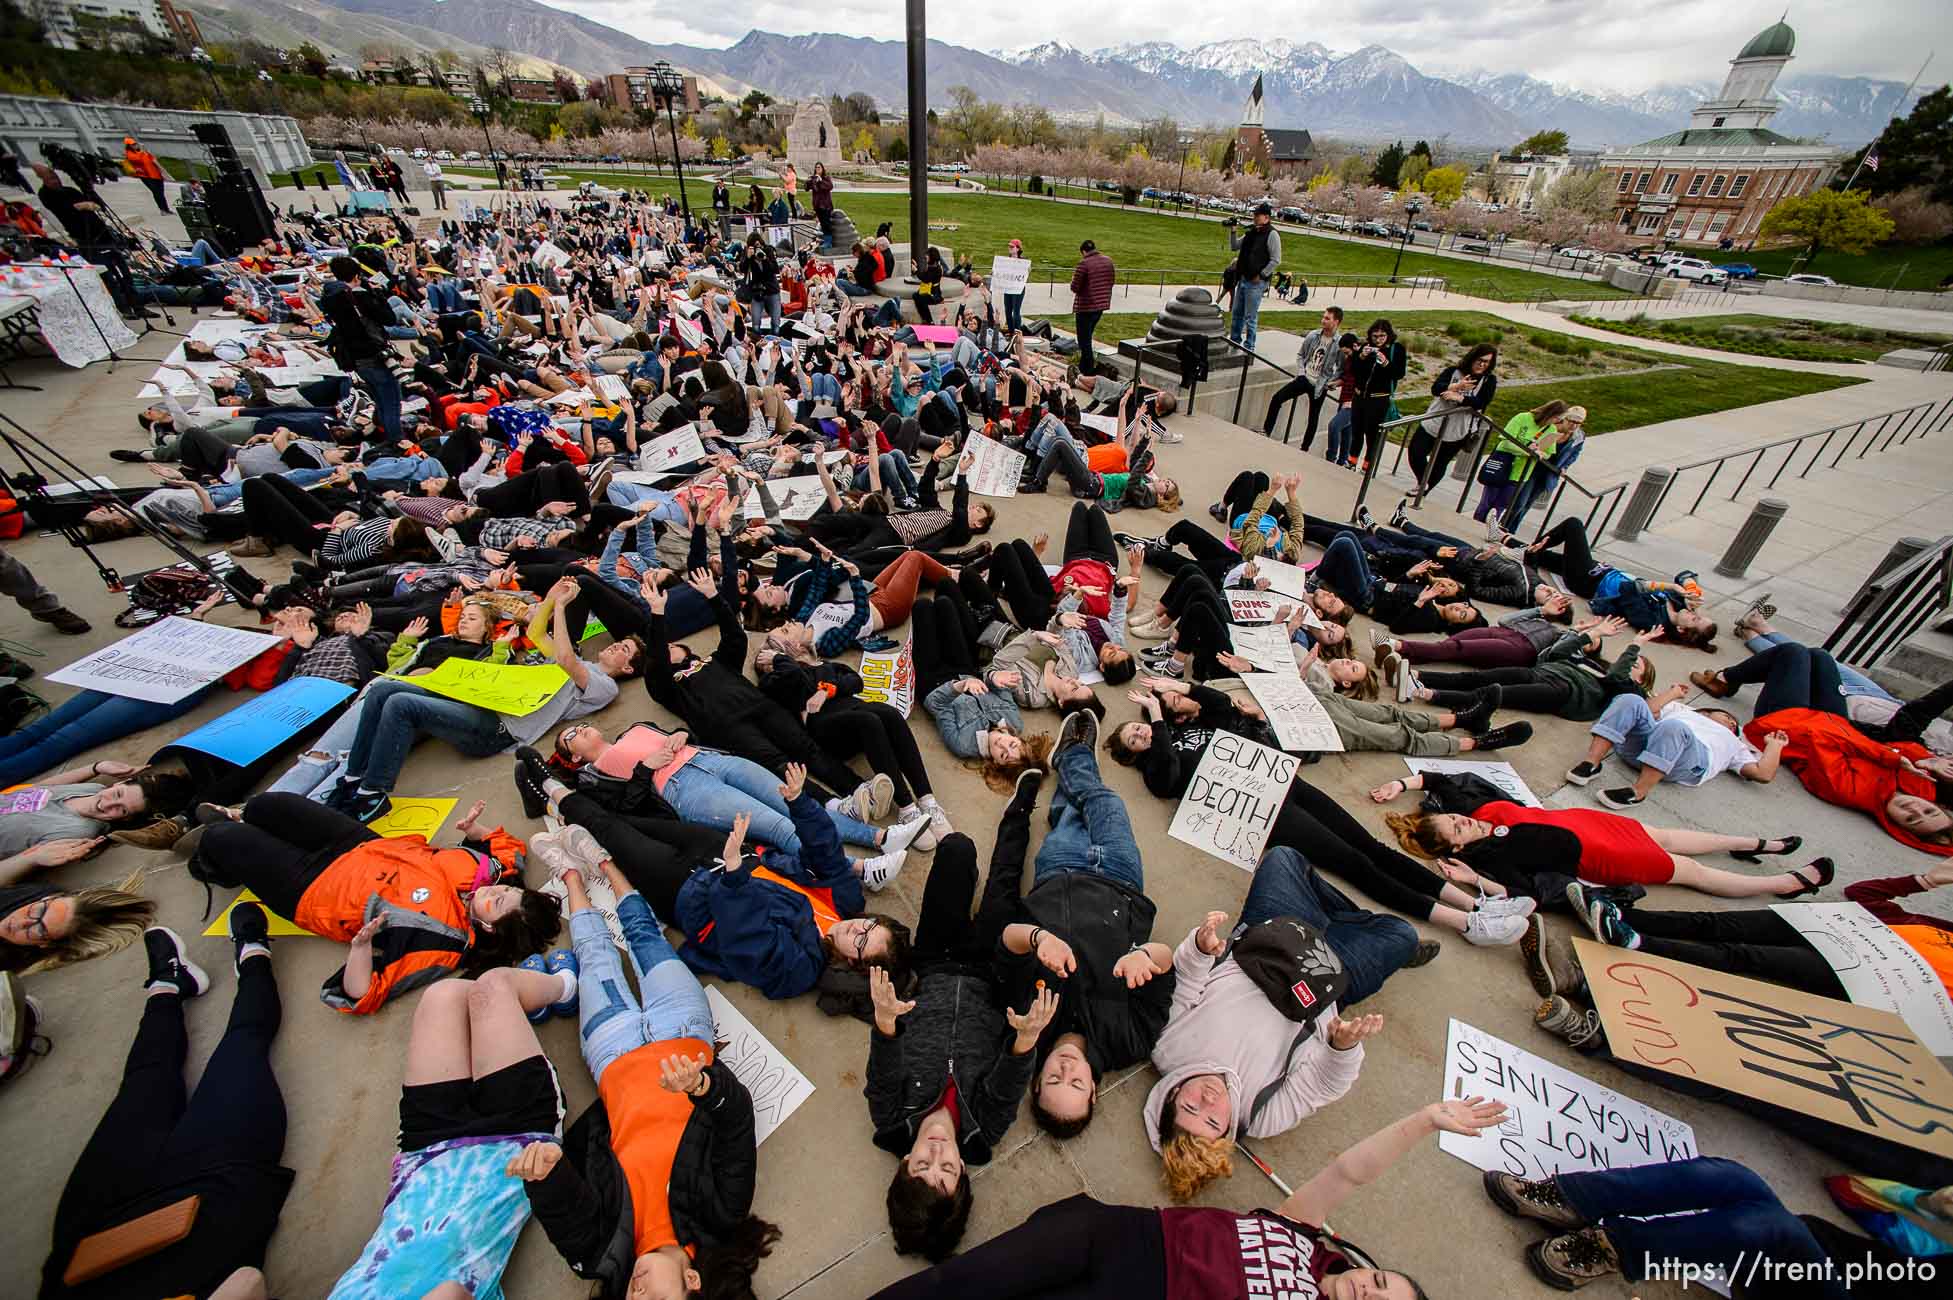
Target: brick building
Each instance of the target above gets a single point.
(631, 88)
(1719, 176)
(1273, 152)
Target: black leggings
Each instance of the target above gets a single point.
(1088, 536)
(1566, 550)
(529, 491)
(1913, 717)
(1074, 1249)
(879, 733)
(1210, 554)
(1366, 418)
(1526, 689)
(1201, 620)
(1298, 387)
(281, 511)
(279, 849)
(945, 930)
(1240, 498)
(156, 1134)
(1429, 458)
(1017, 576)
(943, 636)
(1324, 832)
(1752, 942)
(618, 612)
(656, 854)
(1793, 677)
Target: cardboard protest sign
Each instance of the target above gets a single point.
(1287, 579)
(663, 453)
(255, 727)
(996, 468)
(1503, 775)
(1296, 715)
(514, 689)
(275, 925)
(776, 1084)
(798, 498)
(1009, 274)
(1852, 1066)
(171, 658)
(1877, 967)
(1230, 805)
(1253, 606)
(1105, 424)
(1266, 646)
(1556, 1121)
(888, 677)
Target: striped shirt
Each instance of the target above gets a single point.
(354, 546)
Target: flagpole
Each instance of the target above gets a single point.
(1871, 150)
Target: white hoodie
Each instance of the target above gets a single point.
(1222, 1023)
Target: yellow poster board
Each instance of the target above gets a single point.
(514, 689)
(279, 927)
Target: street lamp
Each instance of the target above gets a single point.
(479, 107)
(667, 85)
(1186, 143)
(1411, 210)
(201, 57)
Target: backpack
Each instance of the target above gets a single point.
(175, 590)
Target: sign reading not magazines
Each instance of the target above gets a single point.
(1230, 805)
(1876, 966)
(171, 658)
(1556, 1122)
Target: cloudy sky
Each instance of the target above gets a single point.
(1603, 44)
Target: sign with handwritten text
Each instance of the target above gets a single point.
(1231, 803)
(171, 658)
(514, 689)
(1299, 720)
(257, 726)
(888, 677)
(776, 1084)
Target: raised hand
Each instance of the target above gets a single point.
(416, 627)
(888, 1007)
(796, 779)
(1034, 1018)
(735, 850)
(1055, 954)
(466, 826)
(681, 1073)
(1135, 968)
(533, 1163)
(1210, 938)
(1345, 1034)
(702, 581)
(364, 939)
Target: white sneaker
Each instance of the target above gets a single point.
(878, 872)
(938, 821)
(1380, 637)
(549, 849)
(1407, 684)
(904, 835)
(1508, 905)
(583, 846)
(871, 799)
(1169, 436)
(1493, 931)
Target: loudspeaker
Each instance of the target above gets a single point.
(217, 142)
(238, 210)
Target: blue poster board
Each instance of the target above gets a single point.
(254, 728)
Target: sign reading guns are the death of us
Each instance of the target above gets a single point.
(1230, 805)
(1826, 1060)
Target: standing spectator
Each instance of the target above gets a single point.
(721, 198)
(1374, 371)
(1318, 364)
(1259, 253)
(1459, 396)
(437, 182)
(790, 189)
(929, 284)
(821, 186)
(1091, 294)
(358, 342)
(43, 605)
(1572, 442)
(143, 166)
(1529, 436)
(1014, 302)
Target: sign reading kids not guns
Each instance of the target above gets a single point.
(1848, 1065)
(514, 689)
(1230, 805)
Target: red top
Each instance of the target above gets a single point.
(1088, 573)
(1842, 765)
(1614, 850)
(1220, 1255)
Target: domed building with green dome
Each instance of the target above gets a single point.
(1716, 178)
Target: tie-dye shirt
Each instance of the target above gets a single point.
(452, 1214)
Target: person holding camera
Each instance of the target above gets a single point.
(1258, 252)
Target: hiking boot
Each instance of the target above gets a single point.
(247, 924)
(1510, 735)
(1487, 931)
(161, 834)
(1426, 952)
(1621, 797)
(1477, 716)
(1537, 1199)
(168, 965)
(530, 773)
(1551, 969)
(1565, 1019)
(1572, 1261)
(64, 620)
(1583, 772)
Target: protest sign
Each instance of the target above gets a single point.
(888, 677)
(1266, 646)
(422, 817)
(777, 1086)
(1877, 967)
(679, 447)
(798, 498)
(935, 333)
(252, 729)
(1230, 805)
(514, 689)
(1826, 1060)
(1556, 1122)
(1105, 424)
(1253, 606)
(1287, 579)
(1502, 775)
(1009, 274)
(690, 332)
(1299, 721)
(171, 658)
(996, 468)
(275, 925)
(548, 254)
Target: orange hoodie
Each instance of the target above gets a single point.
(1842, 765)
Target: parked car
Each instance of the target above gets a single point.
(1822, 281)
(1473, 246)
(1576, 253)
(1694, 268)
(444, 155)
(612, 158)
(1737, 270)
(1289, 214)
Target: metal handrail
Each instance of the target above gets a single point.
(1895, 605)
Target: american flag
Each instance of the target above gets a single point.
(1871, 161)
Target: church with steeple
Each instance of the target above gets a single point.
(1714, 180)
(1273, 153)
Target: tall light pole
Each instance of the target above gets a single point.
(918, 51)
(667, 85)
(201, 57)
(270, 84)
(479, 107)
(1411, 210)
(1186, 142)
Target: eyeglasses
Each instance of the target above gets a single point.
(861, 943)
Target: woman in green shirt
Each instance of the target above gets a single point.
(1508, 468)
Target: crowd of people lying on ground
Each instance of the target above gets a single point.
(468, 481)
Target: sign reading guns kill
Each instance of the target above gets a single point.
(1832, 1061)
(1230, 806)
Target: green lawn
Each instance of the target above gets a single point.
(1612, 402)
(1771, 336)
(1895, 266)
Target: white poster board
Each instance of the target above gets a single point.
(690, 333)
(996, 469)
(1009, 274)
(798, 498)
(1105, 424)
(679, 447)
(167, 660)
(1296, 715)
(1877, 968)
(1231, 803)
(1288, 579)
(548, 254)
(1502, 775)
(1267, 647)
(1244, 606)
(776, 1084)
(1556, 1121)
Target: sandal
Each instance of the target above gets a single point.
(1826, 870)
(1791, 844)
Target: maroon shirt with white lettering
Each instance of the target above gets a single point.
(1221, 1255)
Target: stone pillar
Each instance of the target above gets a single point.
(1641, 506)
(1749, 539)
(1902, 550)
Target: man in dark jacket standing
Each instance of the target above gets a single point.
(1091, 294)
(358, 341)
(1259, 252)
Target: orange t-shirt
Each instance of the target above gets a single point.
(1933, 944)
(1107, 458)
(646, 1123)
(825, 913)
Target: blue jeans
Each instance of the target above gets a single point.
(897, 477)
(629, 494)
(395, 714)
(611, 1022)
(403, 471)
(1340, 445)
(1371, 946)
(1668, 747)
(444, 295)
(1013, 311)
(1850, 680)
(1090, 830)
(767, 307)
(315, 777)
(713, 788)
(1246, 321)
(1700, 1211)
(1344, 571)
(850, 288)
(83, 721)
(385, 387)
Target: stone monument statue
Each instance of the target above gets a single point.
(811, 139)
